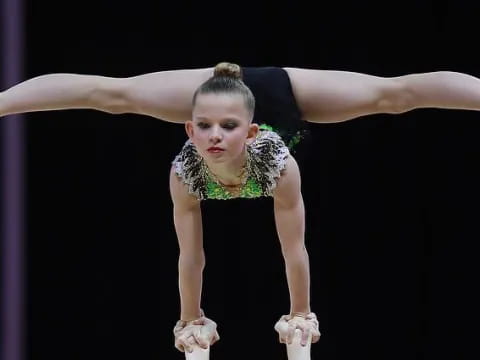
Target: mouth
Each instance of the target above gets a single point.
(215, 150)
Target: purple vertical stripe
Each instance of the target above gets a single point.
(13, 187)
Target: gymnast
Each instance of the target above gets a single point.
(242, 126)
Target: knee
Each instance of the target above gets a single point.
(396, 97)
(110, 96)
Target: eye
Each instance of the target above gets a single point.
(230, 126)
(202, 125)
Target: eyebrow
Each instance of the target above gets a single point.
(201, 118)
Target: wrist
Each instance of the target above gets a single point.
(300, 311)
(299, 314)
(187, 319)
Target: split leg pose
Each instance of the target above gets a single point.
(320, 96)
(323, 96)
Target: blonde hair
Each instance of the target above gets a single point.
(229, 70)
(227, 79)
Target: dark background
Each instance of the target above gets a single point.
(391, 200)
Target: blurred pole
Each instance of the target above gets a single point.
(13, 332)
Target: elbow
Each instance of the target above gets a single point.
(196, 259)
(294, 253)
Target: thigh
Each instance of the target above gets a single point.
(327, 96)
(166, 95)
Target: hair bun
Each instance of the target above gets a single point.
(229, 70)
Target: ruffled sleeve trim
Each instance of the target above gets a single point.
(187, 165)
(268, 158)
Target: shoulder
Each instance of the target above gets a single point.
(187, 171)
(271, 148)
(267, 135)
(268, 155)
(179, 191)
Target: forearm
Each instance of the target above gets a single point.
(190, 285)
(442, 89)
(298, 277)
(61, 91)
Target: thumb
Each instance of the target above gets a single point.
(281, 327)
(202, 338)
(215, 338)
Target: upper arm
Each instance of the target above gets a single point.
(287, 193)
(289, 209)
(179, 194)
(187, 218)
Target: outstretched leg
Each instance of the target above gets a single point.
(328, 96)
(165, 95)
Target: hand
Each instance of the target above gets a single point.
(201, 332)
(287, 325)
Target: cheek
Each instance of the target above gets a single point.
(198, 142)
(238, 141)
(200, 136)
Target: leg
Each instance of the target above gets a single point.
(326, 96)
(166, 95)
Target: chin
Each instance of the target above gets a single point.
(218, 160)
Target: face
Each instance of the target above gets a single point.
(221, 121)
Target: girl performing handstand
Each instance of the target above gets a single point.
(243, 125)
(228, 156)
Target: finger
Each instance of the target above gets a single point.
(305, 337)
(314, 322)
(177, 330)
(179, 346)
(316, 336)
(283, 333)
(184, 341)
(183, 347)
(201, 338)
(209, 331)
(281, 327)
(283, 319)
(182, 338)
(290, 333)
(190, 343)
(282, 337)
(215, 338)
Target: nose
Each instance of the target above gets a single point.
(215, 135)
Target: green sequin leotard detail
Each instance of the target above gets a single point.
(266, 158)
(216, 191)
